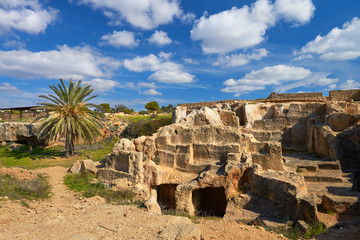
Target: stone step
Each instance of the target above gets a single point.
(349, 205)
(333, 190)
(323, 176)
(309, 162)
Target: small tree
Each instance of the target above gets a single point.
(168, 108)
(104, 108)
(152, 106)
(119, 108)
(70, 117)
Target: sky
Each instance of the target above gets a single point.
(171, 51)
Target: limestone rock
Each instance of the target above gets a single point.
(152, 205)
(302, 226)
(203, 116)
(84, 166)
(181, 232)
(18, 131)
(179, 113)
(349, 232)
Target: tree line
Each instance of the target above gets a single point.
(152, 106)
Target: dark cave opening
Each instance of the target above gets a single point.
(210, 201)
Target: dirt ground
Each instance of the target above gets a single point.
(66, 216)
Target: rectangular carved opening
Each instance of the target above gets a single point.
(210, 201)
(166, 196)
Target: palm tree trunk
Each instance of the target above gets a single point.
(69, 145)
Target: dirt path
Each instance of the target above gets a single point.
(64, 216)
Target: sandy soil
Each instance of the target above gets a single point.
(65, 216)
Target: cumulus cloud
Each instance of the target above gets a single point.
(102, 85)
(160, 38)
(151, 92)
(235, 28)
(283, 77)
(240, 59)
(65, 62)
(25, 16)
(120, 39)
(164, 71)
(350, 84)
(299, 11)
(339, 44)
(146, 14)
(241, 28)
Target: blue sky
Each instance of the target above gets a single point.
(172, 51)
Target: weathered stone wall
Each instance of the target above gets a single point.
(316, 96)
(20, 132)
(191, 106)
(345, 95)
(7, 116)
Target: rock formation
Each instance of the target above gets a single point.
(279, 159)
(20, 132)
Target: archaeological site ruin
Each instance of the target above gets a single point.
(285, 158)
(280, 158)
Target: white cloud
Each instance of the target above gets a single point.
(165, 56)
(164, 71)
(102, 85)
(240, 59)
(65, 62)
(160, 38)
(350, 84)
(302, 57)
(235, 28)
(25, 16)
(172, 76)
(283, 77)
(152, 92)
(9, 89)
(190, 61)
(241, 28)
(145, 14)
(120, 39)
(339, 44)
(299, 11)
(142, 64)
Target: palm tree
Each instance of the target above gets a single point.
(70, 117)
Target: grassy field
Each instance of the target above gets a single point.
(88, 186)
(137, 118)
(38, 157)
(13, 188)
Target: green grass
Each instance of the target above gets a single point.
(37, 188)
(87, 185)
(137, 118)
(27, 157)
(293, 233)
(39, 157)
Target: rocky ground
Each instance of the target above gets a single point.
(66, 216)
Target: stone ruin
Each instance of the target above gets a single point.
(279, 160)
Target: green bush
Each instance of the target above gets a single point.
(37, 188)
(143, 128)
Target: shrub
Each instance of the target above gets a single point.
(142, 128)
(37, 188)
(87, 184)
